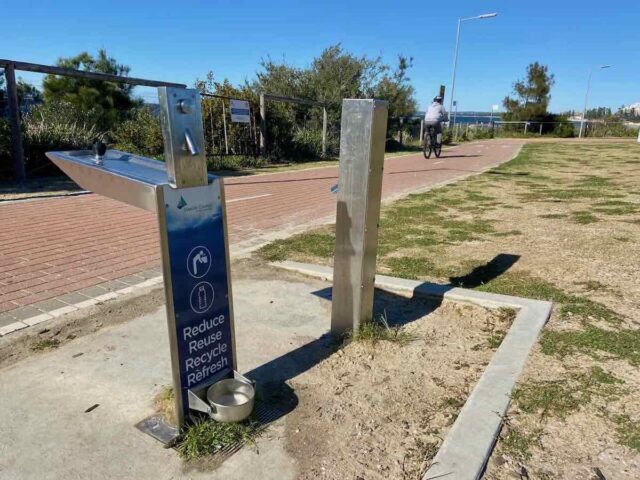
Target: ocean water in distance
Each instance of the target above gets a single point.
(466, 118)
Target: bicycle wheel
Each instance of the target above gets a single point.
(438, 150)
(426, 150)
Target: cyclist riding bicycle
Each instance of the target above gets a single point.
(435, 116)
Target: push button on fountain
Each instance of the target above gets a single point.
(185, 106)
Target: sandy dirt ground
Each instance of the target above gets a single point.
(380, 411)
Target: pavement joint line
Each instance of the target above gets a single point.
(249, 198)
(467, 447)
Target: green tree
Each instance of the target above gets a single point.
(599, 112)
(396, 88)
(531, 95)
(28, 92)
(2, 94)
(141, 134)
(111, 101)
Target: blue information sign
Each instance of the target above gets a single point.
(199, 284)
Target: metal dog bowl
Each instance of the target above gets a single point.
(231, 400)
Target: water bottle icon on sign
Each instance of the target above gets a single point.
(201, 297)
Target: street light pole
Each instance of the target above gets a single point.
(455, 55)
(453, 77)
(586, 99)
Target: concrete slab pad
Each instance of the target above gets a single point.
(121, 369)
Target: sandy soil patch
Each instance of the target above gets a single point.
(379, 411)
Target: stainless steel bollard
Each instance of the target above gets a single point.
(362, 145)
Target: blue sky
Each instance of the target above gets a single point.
(180, 41)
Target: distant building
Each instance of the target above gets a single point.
(634, 109)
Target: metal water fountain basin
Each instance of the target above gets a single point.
(230, 399)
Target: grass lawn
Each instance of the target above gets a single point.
(559, 222)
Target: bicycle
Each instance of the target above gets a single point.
(430, 143)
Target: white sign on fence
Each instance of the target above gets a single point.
(240, 111)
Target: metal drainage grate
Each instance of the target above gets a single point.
(155, 426)
(264, 414)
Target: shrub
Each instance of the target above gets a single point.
(140, 134)
(5, 149)
(306, 144)
(480, 133)
(5, 138)
(234, 162)
(55, 126)
(610, 130)
(564, 130)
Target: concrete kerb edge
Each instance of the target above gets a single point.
(74, 307)
(468, 445)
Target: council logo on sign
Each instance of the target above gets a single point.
(199, 262)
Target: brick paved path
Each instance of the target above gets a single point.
(51, 247)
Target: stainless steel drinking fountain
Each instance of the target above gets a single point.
(193, 239)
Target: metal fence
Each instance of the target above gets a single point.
(11, 66)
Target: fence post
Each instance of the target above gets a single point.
(255, 132)
(362, 143)
(263, 126)
(213, 143)
(526, 126)
(421, 129)
(224, 125)
(17, 148)
(540, 128)
(324, 131)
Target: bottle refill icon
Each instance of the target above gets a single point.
(202, 298)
